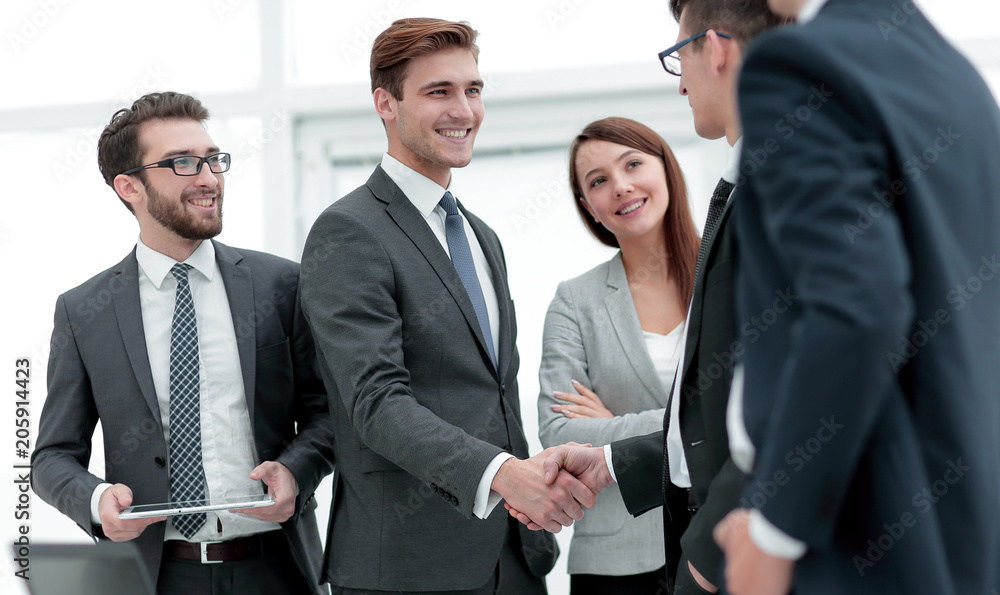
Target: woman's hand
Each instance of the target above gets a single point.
(586, 404)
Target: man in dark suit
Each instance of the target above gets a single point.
(871, 409)
(700, 484)
(407, 294)
(197, 361)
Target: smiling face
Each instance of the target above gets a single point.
(432, 129)
(624, 189)
(176, 209)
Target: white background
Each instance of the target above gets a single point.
(281, 90)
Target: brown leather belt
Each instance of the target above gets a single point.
(213, 552)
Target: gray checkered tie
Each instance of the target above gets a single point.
(186, 475)
(461, 257)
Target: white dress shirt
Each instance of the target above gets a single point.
(809, 11)
(227, 444)
(425, 194)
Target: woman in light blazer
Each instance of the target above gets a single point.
(616, 331)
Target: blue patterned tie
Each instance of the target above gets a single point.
(186, 475)
(461, 257)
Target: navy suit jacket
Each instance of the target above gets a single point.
(870, 197)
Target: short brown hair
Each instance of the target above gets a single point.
(412, 38)
(682, 237)
(743, 19)
(119, 149)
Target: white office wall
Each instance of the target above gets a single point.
(286, 82)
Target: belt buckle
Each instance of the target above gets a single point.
(204, 552)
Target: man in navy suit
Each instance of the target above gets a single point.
(870, 413)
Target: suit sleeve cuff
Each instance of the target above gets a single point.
(607, 461)
(487, 499)
(772, 540)
(95, 500)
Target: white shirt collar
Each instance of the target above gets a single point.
(424, 193)
(157, 265)
(732, 172)
(809, 11)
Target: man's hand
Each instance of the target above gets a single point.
(114, 500)
(750, 571)
(281, 486)
(548, 504)
(584, 463)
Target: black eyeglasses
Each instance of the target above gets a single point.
(189, 165)
(671, 60)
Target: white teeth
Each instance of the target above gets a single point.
(631, 208)
(454, 133)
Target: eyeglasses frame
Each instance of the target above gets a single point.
(673, 49)
(170, 163)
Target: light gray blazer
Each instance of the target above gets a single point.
(592, 334)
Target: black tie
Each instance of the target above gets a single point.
(719, 198)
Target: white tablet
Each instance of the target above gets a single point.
(142, 511)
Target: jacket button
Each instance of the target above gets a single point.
(158, 461)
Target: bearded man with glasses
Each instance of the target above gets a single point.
(197, 361)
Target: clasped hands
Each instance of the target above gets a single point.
(550, 490)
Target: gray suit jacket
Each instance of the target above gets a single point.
(418, 407)
(99, 371)
(592, 334)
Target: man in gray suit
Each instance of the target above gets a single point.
(197, 361)
(407, 294)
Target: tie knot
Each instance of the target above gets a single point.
(447, 203)
(180, 272)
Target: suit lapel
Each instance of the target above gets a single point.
(412, 223)
(128, 312)
(625, 321)
(694, 330)
(239, 292)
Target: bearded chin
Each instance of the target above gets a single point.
(172, 216)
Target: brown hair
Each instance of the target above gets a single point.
(743, 19)
(412, 38)
(682, 237)
(119, 149)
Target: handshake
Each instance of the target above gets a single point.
(550, 490)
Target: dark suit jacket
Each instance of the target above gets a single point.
(874, 402)
(418, 407)
(99, 371)
(710, 351)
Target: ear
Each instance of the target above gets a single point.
(385, 104)
(720, 49)
(590, 209)
(129, 189)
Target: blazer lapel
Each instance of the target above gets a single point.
(621, 310)
(239, 292)
(128, 311)
(412, 223)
